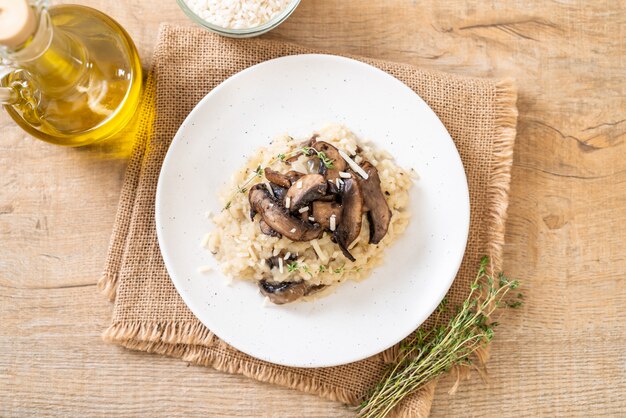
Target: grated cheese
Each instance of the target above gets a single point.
(280, 265)
(312, 219)
(269, 188)
(345, 175)
(293, 230)
(299, 185)
(287, 202)
(304, 209)
(318, 250)
(287, 255)
(333, 222)
(353, 165)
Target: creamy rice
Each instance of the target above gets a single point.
(241, 248)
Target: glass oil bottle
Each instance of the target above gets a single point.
(74, 75)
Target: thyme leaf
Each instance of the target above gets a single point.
(328, 162)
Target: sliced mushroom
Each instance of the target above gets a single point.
(305, 190)
(277, 178)
(376, 206)
(322, 211)
(280, 179)
(278, 218)
(293, 176)
(305, 215)
(351, 216)
(327, 198)
(339, 164)
(279, 192)
(333, 188)
(267, 230)
(332, 153)
(285, 292)
(292, 159)
(311, 290)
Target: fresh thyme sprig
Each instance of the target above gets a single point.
(342, 269)
(328, 162)
(258, 173)
(429, 354)
(294, 266)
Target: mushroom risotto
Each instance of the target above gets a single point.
(303, 215)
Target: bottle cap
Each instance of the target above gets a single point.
(17, 22)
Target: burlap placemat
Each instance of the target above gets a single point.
(150, 316)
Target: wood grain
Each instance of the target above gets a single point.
(561, 355)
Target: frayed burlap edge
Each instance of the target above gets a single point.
(190, 341)
(500, 181)
(497, 202)
(188, 333)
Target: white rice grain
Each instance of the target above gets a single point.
(204, 269)
(255, 258)
(205, 240)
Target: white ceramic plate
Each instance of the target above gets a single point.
(296, 95)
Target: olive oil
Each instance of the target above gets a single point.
(77, 80)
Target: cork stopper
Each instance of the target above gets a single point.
(17, 22)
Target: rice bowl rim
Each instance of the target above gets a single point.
(243, 32)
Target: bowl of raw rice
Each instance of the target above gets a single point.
(238, 18)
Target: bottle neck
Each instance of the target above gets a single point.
(51, 55)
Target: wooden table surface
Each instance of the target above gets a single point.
(561, 355)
